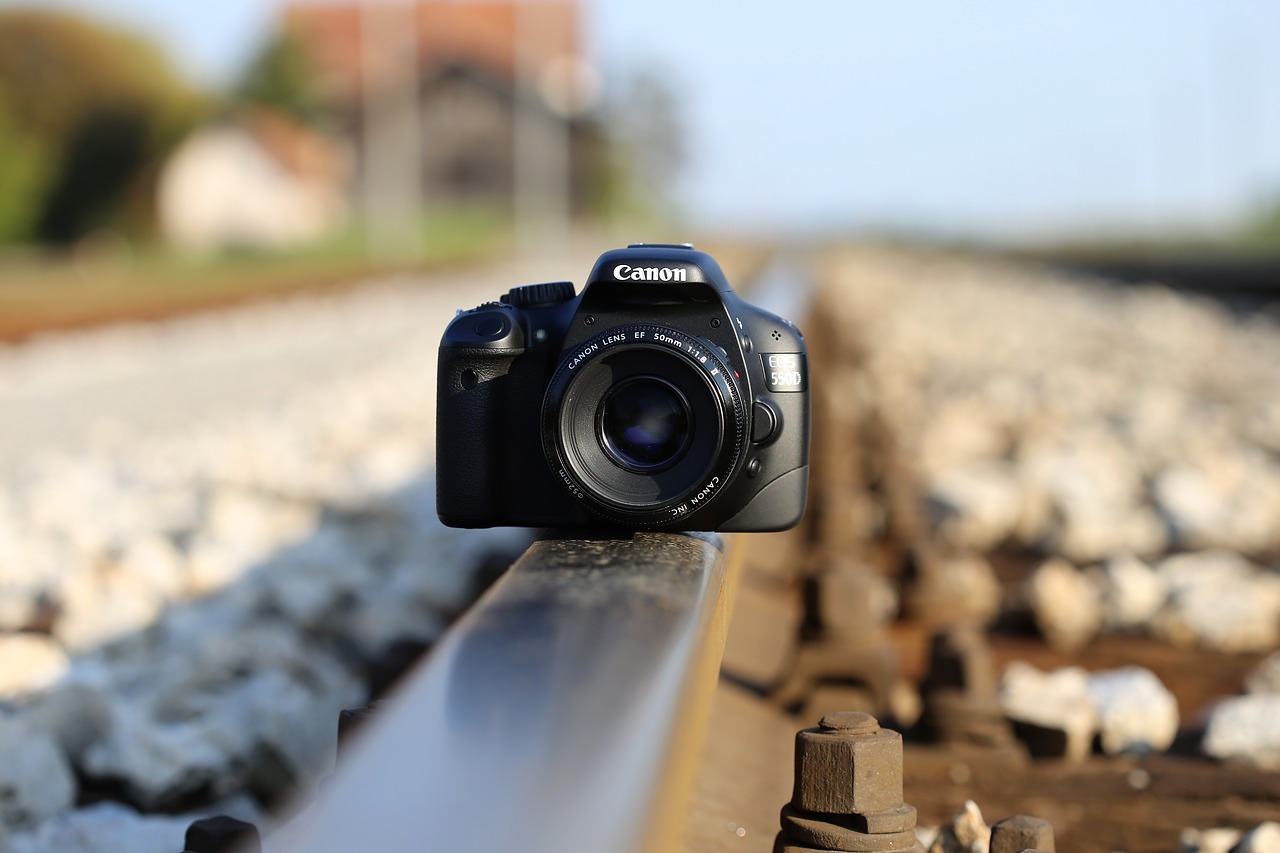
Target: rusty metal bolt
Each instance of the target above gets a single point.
(848, 765)
(222, 834)
(960, 658)
(1021, 832)
(841, 832)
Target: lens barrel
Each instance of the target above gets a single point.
(644, 424)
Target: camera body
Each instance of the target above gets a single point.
(654, 399)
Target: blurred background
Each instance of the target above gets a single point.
(1036, 249)
(136, 134)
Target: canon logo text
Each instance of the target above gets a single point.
(626, 272)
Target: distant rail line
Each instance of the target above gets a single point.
(1245, 281)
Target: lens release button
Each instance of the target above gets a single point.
(764, 422)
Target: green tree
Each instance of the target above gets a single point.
(644, 145)
(282, 77)
(65, 82)
(1264, 228)
(24, 168)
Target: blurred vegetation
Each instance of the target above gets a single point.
(107, 280)
(87, 116)
(642, 150)
(282, 77)
(89, 113)
(84, 110)
(24, 170)
(1254, 238)
(1263, 229)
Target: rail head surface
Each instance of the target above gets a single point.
(564, 712)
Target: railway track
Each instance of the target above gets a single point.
(273, 463)
(1247, 284)
(883, 463)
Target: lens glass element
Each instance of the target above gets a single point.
(644, 423)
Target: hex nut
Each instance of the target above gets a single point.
(847, 771)
(897, 819)
(1021, 832)
(840, 833)
(916, 847)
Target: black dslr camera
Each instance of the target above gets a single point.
(656, 398)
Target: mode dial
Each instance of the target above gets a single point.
(547, 293)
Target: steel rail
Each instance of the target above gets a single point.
(564, 712)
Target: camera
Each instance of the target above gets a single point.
(655, 399)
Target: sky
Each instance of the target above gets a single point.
(986, 119)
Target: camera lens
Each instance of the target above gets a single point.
(644, 423)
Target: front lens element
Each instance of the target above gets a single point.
(644, 423)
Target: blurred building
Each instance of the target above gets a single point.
(470, 69)
(259, 180)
